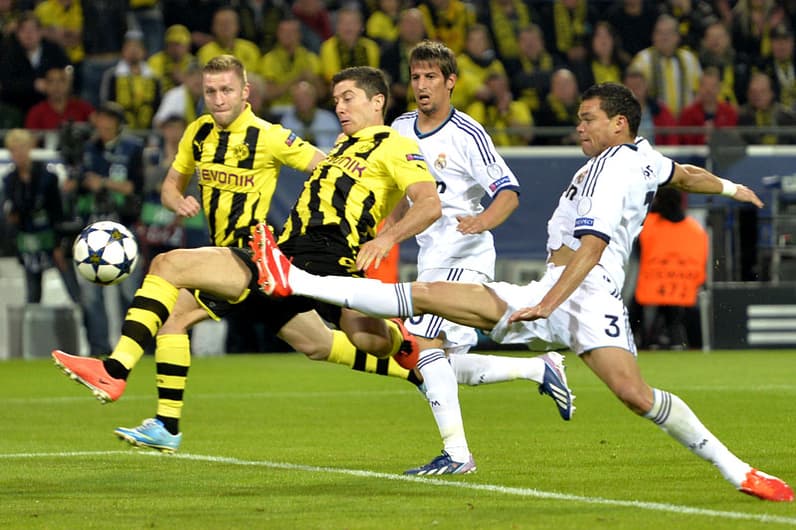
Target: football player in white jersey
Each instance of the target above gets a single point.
(578, 301)
(458, 247)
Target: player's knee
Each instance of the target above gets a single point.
(164, 264)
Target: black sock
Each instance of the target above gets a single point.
(116, 369)
(412, 378)
(171, 424)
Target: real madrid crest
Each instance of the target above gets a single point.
(240, 152)
(580, 176)
(441, 161)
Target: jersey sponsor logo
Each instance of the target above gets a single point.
(498, 183)
(222, 177)
(415, 156)
(348, 164)
(441, 162)
(290, 139)
(584, 221)
(240, 152)
(584, 205)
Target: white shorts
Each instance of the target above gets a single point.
(457, 338)
(594, 316)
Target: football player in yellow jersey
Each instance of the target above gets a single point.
(372, 167)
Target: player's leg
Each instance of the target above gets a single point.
(619, 371)
(172, 361)
(213, 269)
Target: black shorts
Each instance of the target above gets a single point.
(323, 251)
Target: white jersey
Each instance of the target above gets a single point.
(466, 165)
(609, 198)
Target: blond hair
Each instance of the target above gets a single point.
(17, 137)
(226, 63)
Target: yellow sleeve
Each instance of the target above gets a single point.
(287, 147)
(406, 162)
(184, 161)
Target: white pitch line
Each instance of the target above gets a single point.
(492, 488)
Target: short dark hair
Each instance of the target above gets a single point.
(371, 80)
(616, 100)
(114, 110)
(434, 52)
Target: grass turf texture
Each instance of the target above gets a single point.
(277, 441)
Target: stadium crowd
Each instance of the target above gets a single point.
(523, 63)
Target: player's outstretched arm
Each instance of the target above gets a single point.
(695, 179)
(504, 203)
(171, 194)
(425, 209)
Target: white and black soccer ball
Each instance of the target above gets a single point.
(105, 252)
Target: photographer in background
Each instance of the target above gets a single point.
(109, 186)
(35, 215)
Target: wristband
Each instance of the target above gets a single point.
(728, 188)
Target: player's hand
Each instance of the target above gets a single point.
(470, 224)
(744, 194)
(93, 181)
(188, 206)
(372, 252)
(528, 314)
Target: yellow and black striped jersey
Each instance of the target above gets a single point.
(237, 169)
(358, 184)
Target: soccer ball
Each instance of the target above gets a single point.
(105, 252)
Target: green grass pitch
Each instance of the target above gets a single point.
(278, 441)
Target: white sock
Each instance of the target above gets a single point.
(442, 393)
(363, 294)
(672, 415)
(474, 369)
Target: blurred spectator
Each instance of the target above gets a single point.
(395, 61)
(707, 110)
(692, 16)
(447, 21)
(533, 68)
(762, 110)
(226, 41)
(147, 17)
(9, 14)
(635, 19)
(717, 51)
(185, 101)
(347, 47)
(34, 211)
(509, 122)
(286, 64)
(61, 106)
(159, 229)
(132, 84)
(672, 268)
(672, 72)
(104, 28)
(654, 112)
(62, 23)
(560, 109)
(506, 19)
(316, 22)
(169, 65)
(568, 26)
(752, 23)
(257, 91)
(382, 24)
(110, 188)
(196, 15)
(603, 63)
(781, 66)
(313, 124)
(476, 63)
(25, 62)
(259, 20)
